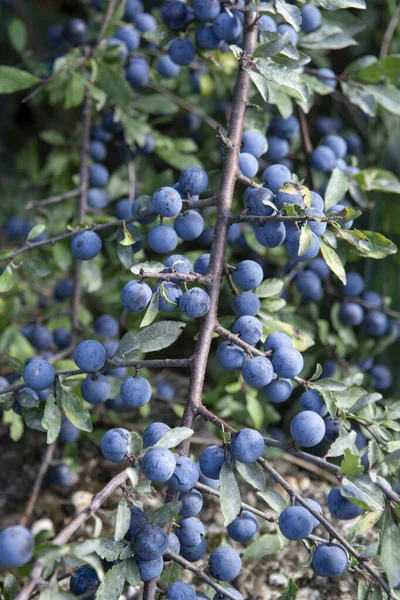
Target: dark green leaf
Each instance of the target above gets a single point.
(75, 411)
(332, 260)
(7, 281)
(229, 494)
(337, 187)
(114, 84)
(390, 551)
(155, 337)
(13, 80)
(269, 287)
(291, 591)
(122, 520)
(252, 473)
(265, 545)
(152, 310)
(52, 418)
(132, 574)
(10, 587)
(17, 34)
(165, 513)
(113, 584)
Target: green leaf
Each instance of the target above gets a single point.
(152, 309)
(155, 337)
(342, 443)
(265, 545)
(351, 464)
(364, 401)
(175, 436)
(6, 280)
(16, 424)
(269, 287)
(254, 408)
(151, 266)
(75, 91)
(387, 96)
(156, 104)
(17, 35)
(252, 473)
(387, 68)
(291, 591)
(122, 520)
(378, 180)
(289, 12)
(108, 549)
(132, 574)
(10, 587)
(229, 494)
(52, 418)
(337, 187)
(339, 4)
(332, 260)
(75, 411)
(135, 444)
(13, 80)
(281, 75)
(390, 550)
(305, 239)
(365, 523)
(274, 500)
(274, 45)
(113, 584)
(260, 83)
(164, 514)
(114, 84)
(36, 231)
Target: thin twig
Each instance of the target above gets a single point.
(307, 145)
(192, 277)
(47, 458)
(391, 28)
(53, 199)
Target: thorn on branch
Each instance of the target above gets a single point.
(223, 139)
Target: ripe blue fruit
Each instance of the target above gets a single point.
(189, 225)
(63, 289)
(247, 445)
(285, 128)
(243, 528)
(201, 264)
(166, 201)
(195, 303)
(376, 323)
(253, 142)
(307, 428)
(40, 337)
(193, 180)
(76, 32)
(309, 285)
(167, 68)
(295, 523)
(165, 391)
(248, 328)
(287, 362)
(90, 356)
(84, 580)
(185, 476)
(206, 38)
(190, 532)
(316, 507)
(319, 266)
(153, 433)
(86, 245)
(206, 10)
(337, 144)
(381, 377)
(258, 371)
(192, 503)
(329, 560)
(98, 175)
(129, 35)
(247, 303)
(95, 389)
(329, 368)
(149, 569)
(312, 400)
(61, 475)
(266, 23)
(224, 563)
(138, 520)
(16, 546)
(293, 247)
(247, 275)
(173, 293)
(174, 14)
(327, 77)
(194, 553)
(278, 390)
(178, 263)
(162, 239)
(372, 299)
(97, 150)
(354, 285)
(278, 148)
(158, 464)
(211, 460)
(39, 374)
(151, 542)
(286, 196)
(323, 159)
(174, 543)
(97, 198)
(340, 506)
(180, 591)
(136, 295)
(332, 429)
(212, 483)
(270, 235)
(351, 313)
(137, 73)
(135, 391)
(354, 143)
(311, 18)
(107, 326)
(317, 227)
(275, 176)
(230, 356)
(123, 209)
(248, 164)
(181, 51)
(145, 22)
(68, 432)
(293, 35)
(114, 444)
(132, 9)
(277, 340)
(227, 27)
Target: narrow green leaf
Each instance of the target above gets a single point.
(113, 584)
(52, 418)
(75, 411)
(291, 591)
(164, 514)
(390, 551)
(252, 473)
(132, 572)
(122, 520)
(305, 239)
(337, 187)
(274, 500)
(269, 287)
(265, 545)
(175, 436)
(229, 494)
(342, 443)
(332, 260)
(13, 80)
(17, 35)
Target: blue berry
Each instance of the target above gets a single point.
(230, 356)
(86, 245)
(39, 374)
(278, 390)
(319, 266)
(312, 400)
(136, 295)
(106, 325)
(135, 392)
(181, 51)
(195, 303)
(307, 428)
(90, 356)
(97, 198)
(277, 340)
(138, 520)
(158, 464)
(61, 475)
(243, 528)
(278, 148)
(271, 235)
(337, 144)
(247, 275)
(167, 68)
(173, 293)
(189, 225)
(351, 313)
(190, 532)
(266, 23)
(153, 433)
(193, 180)
(185, 476)
(137, 73)
(194, 553)
(201, 264)
(248, 164)
(311, 18)
(287, 362)
(166, 201)
(76, 32)
(293, 247)
(192, 503)
(275, 176)
(329, 560)
(180, 591)
(16, 546)
(114, 444)
(129, 35)
(95, 389)
(248, 328)
(68, 432)
(212, 460)
(98, 175)
(376, 323)
(224, 563)
(206, 10)
(227, 27)
(162, 239)
(341, 507)
(354, 285)
(316, 507)
(174, 14)
(254, 142)
(327, 77)
(149, 569)
(247, 303)
(381, 377)
(145, 22)
(332, 429)
(323, 159)
(258, 371)
(151, 542)
(295, 523)
(247, 445)
(97, 150)
(84, 580)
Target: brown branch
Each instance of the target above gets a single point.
(235, 339)
(204, 488)
(47, 458)
(65, 535)
(192, 277)
(391, 28)
(307, 145)
(53, 199)
(279, 218)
